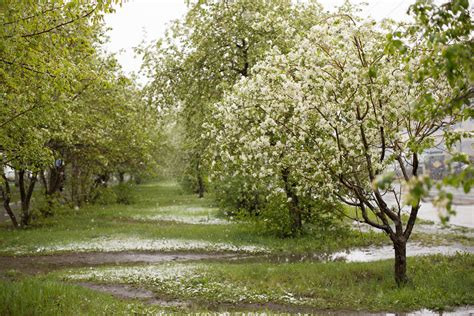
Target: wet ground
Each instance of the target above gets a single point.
(129, 292)
(43, 264)
(147, 296)
(380, 253)
(47, 263)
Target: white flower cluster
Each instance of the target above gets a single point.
(332, 109)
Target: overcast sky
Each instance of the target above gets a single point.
(139, 20)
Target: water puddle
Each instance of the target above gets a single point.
(386, 252)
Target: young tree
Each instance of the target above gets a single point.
(348, 120)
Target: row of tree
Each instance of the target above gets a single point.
(294, 111)
(69, 117)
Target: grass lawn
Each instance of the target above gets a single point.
(163, 211)
(45, 297)
(436, 282)
(166, 219)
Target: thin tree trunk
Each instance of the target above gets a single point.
(6, 195)
(400, 262)
(294, 208)
(25, 194)
(45, 182)
(56, 179)
(200, 180)
(200, 186)
(121, 177)
(17, 179)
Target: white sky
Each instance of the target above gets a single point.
(139, 20)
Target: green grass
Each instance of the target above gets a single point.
(118, 221)
(47, 297)
(437, 283)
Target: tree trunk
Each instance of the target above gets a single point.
(25, 194)
(294, 207)
(296, 222)
(45, 182)
(200, 180)
(6, 195)
(200, 186)
(121, 177)
(400, 262)
(17, 179)
(56, 179)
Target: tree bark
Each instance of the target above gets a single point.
(200, 180)
(294, 208)
(25, 194)
(56, 179)
(17, 179)
(121, 177)
(400, 247)
(6, 195)
(200, 185)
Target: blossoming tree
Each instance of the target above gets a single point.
(341, 112)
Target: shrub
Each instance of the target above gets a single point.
(125, 193)
(103, 196)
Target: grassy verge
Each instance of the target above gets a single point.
(437, 282)
(36, 297)
(149, 219)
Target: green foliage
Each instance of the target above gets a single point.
(205, 54)
(104, 196)
(125, 193)
(46, 205)
(236, 198)
(441, 39)
(65, 100)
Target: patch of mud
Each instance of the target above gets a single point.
(129, 292)
(386, 252)
(40, 264)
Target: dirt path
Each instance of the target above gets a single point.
(43, 264)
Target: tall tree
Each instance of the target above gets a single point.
(207, 52)
(347, 118)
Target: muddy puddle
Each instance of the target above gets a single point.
(42, 264)
(129, 292)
